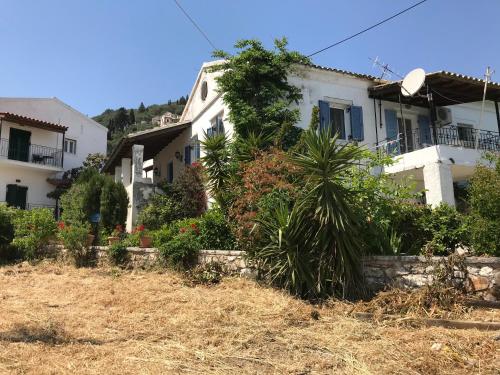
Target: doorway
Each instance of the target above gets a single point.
(16, 196)
(19, 144)
(405, 129)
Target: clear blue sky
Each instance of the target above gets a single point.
(98, 54)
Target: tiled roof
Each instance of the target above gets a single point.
(29, 121)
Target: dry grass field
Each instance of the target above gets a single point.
(55, 319)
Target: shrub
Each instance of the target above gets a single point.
(207, 274)
(117, 253)
(313, 250)
(94, 193)
(189, 186)
(33, 231)
(445, 227)
(484, 200)
(74, 238)
(270, 171)
(7, 252)
(215, 232)
(161, 210)
(181, 251)
(162, 235)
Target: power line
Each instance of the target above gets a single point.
(195, 25)
(368, 28)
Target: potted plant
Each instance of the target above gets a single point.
(115, 235)
(144, 239)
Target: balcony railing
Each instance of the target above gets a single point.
(34, 154)
(459, 136)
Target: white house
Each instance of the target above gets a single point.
(438, 142)
(40, 139)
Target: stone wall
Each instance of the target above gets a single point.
(480, 275)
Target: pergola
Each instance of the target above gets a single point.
(441, 89)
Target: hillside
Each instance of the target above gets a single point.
(123, 121)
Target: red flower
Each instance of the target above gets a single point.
(195, 164)
(141, 228)
(183, 230)
(61, 225)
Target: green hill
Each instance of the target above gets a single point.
(123, 121)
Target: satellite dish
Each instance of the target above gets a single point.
(413, 82)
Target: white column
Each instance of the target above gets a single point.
(126, 171)
(438, 181)
(118, 174)
(137, 162)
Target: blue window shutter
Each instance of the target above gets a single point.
(357, 130)
(197, 150)
(391, 124)
(324, 115)
(187, 155)
(170, 172)
(424, 129)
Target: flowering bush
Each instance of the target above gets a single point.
(269, 172)
(118, 231)
(182, 249)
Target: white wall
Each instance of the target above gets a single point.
(91, 137)
(33, 178)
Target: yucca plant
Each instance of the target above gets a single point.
(217, 164)
(314, 250)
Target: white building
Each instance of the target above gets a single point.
(437, 142)
(40, 139)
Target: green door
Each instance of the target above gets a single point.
(19, 144)
(16, 196)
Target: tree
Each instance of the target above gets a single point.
(131, 117)
(484, 201)
(142, 108)
(121, 119)
(254, 84)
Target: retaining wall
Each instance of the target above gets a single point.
(480, 275)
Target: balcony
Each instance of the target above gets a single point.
(34, 154)
(458, 136)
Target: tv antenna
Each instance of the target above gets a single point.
(385, 68)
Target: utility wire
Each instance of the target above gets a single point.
(195, 24)
(368, 28)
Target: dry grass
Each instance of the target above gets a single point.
(55, 319)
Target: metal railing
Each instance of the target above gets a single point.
(31, 206)
(34, 154)
(451, 135)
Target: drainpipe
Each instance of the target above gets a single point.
(432, 110)
(498, 115)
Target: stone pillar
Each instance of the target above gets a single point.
(438, 181)
(118, 174)
(126, 171)
(137, 162)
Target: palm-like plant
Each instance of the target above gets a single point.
(217, 163)
(314, 250)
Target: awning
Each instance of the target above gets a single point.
(447, 89)
(34, 123)
(153, 140)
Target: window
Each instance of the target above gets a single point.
(70, 146)
(337, 122)
(195, 149)
(216, 125)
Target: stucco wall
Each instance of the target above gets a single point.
(35, 178)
